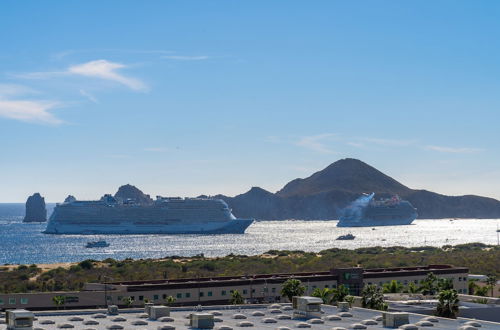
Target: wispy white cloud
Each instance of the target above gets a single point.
(454, 150)
(388, 142)
(316, 143)
(185, 58)
(100, 69)
(89, 96)
(106, 70)
(13, 106)
(14, 89)
(355, 144)
(62, 54)
(30, 111)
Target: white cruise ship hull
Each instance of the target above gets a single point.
(236, 226)
(165, 216)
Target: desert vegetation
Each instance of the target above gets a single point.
(479, 258)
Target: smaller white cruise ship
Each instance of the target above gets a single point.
(165, 215)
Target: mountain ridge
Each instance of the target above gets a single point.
(323, 194)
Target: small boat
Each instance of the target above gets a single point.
(346, 237)
(97, 244)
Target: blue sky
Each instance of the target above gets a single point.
(190, 97)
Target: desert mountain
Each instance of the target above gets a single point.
(323, 194)
(131, 192)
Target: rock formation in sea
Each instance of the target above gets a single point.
(35, 209)
(130, 192)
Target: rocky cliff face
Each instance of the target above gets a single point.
(131, 192)
(35, 209)
(325, 193)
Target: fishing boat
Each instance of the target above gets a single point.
(97, 244)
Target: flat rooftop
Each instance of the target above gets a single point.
(255, 314)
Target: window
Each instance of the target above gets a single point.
(209, 293)
(202, 293)
(266, 290)
(314, 287)
(245, 291)
(327, 286)
(12, 301)
(141, 298)
(223, 293)
(188, 295)
(156, 297)
(1, 301)
(24, 301)
(179, 295)
(108, 298)
(273, 290)
(120, 298)
(253, 290)
(164, 296)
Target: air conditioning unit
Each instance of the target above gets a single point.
(306, 307)
(343, 306)
(19, 319)
(155, 312)
(112, 310)
(147, 308)
(394, 319)
(201, 320)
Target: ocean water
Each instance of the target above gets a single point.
(24, 243)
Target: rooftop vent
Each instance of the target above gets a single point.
(202, 320)
(19, 319)
(394, 319)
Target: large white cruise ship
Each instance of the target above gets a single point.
(165, 215)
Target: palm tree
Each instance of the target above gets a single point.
(481, 291)
(444, 284)
(472, 287)
(59, 301)
(323, 294)
(447, 304)
(372, 297)
(491, 281)
(429, 285)
(292, 287)
(339, 293)
(169, 301)
(350, 300)
(411, 288)
(392, 287)
(128, 301)
(237, 298)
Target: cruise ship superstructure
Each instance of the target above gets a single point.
(165, 215)
(368, 212)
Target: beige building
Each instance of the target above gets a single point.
(217, 290)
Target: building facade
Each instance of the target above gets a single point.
(218, 290)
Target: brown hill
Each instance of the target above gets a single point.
(323, 194)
